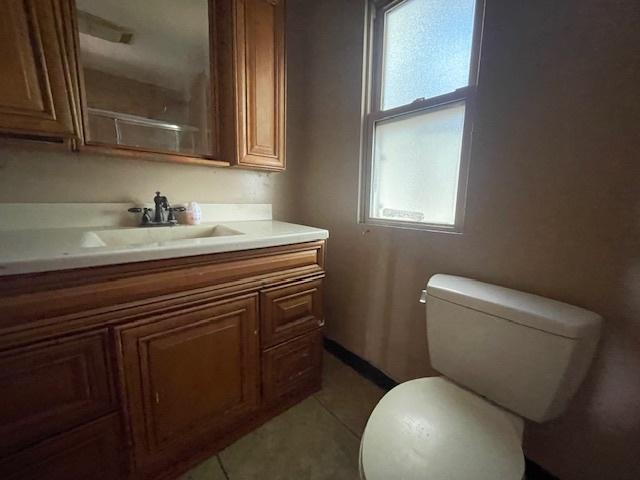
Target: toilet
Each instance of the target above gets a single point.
(504, 356)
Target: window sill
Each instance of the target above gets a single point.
(423, 227)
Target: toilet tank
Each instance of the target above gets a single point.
(524, 352)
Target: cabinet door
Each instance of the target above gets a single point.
(51, 387)
(93, 451)
(35, 79)
(260, 60)
(189, 376)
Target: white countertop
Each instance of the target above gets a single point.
(29, 250)
(40, 250)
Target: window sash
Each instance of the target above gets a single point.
(373, 114)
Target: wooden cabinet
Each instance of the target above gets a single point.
(189, 375)
(36, 78)
(187, 354)
(253, 44)
(51, 387)
(93, 451)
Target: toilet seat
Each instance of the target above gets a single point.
(432, 429)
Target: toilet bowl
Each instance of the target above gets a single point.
(442, 431)
(505, 356)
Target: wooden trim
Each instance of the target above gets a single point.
(143, 154)
(64, 20)
(214, 47)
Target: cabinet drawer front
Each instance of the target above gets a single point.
(189, 376)
(93, 451)
(52, 387)
(293, 367)
(291, 311)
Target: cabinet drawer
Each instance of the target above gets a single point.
(93, 451)
(292, 367)
(290, 311)
(52, 387)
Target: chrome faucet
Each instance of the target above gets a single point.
(163, 214)
(161, 206)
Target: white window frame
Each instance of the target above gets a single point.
(373, 114)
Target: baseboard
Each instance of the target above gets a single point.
(360, 365)
(536, 472)
(533, 471)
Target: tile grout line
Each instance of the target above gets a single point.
(224, 470)
(336, 417)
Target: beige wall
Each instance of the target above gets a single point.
(553, 204)
(33, 172)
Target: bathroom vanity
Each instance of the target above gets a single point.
(140, 360)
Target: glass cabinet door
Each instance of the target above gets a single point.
(147, 76)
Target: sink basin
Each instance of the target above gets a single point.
(154, 235)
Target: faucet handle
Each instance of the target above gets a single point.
(172, 218)
(146, 219)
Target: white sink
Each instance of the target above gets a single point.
(154, 235)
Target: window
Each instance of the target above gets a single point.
(422, 72)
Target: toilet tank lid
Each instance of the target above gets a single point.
(523, 308)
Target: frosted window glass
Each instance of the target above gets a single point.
(427, 49)
(416, 165)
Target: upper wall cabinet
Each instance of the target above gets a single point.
(251, 40)
(194, 81)
(36, 76)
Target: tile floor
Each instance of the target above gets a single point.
(315, 440)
